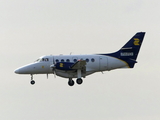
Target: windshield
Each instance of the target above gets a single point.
(42, 60)
(38, 60)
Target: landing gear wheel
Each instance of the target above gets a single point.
(79, 81)
(32, 82)
(70, 82)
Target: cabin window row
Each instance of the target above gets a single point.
(75, 60)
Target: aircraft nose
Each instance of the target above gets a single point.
(17, 71)
(27, 69)
(22, 70)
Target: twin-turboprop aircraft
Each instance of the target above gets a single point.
(78, 66)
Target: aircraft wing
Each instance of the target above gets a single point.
(79, 65)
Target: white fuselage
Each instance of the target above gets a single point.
(94, 63)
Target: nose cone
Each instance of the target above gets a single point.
(17, 71)
(27, 69)
(23, 70)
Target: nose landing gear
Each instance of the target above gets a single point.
(32, 81)
(70, 82)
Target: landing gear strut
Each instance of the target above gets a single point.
(32, 81)
(79, 75)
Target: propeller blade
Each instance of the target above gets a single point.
(47, 76)
(54, 74)
(52, 66)
(54, 70)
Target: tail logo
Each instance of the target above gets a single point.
(136, 41)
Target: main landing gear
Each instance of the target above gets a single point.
(71, 82)
(79, 80)
(32, 81)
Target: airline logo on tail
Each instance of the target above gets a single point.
(136, 41)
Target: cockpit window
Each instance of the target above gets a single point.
(45, 59)
(37, 60)
(42, 59)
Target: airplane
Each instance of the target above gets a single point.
(78, 66)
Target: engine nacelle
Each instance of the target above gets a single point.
(64, 65)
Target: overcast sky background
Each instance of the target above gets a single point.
(32, 28)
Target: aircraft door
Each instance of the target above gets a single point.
(103, 63)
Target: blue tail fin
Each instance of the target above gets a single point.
(130, 50)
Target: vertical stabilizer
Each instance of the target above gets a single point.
(129, 52)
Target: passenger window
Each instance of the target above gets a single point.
(75, 60)
(57, 60)
(87, 60)
(62, 60)
(92, 59)
(67, 60)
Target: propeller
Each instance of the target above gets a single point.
(53, 66)
(47, 76)
(54, 74)
(53, 69)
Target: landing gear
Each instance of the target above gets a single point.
(32, 81)
(79, 75)
(79, 81)
(70, 82)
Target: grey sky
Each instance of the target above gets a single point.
(32, 28)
